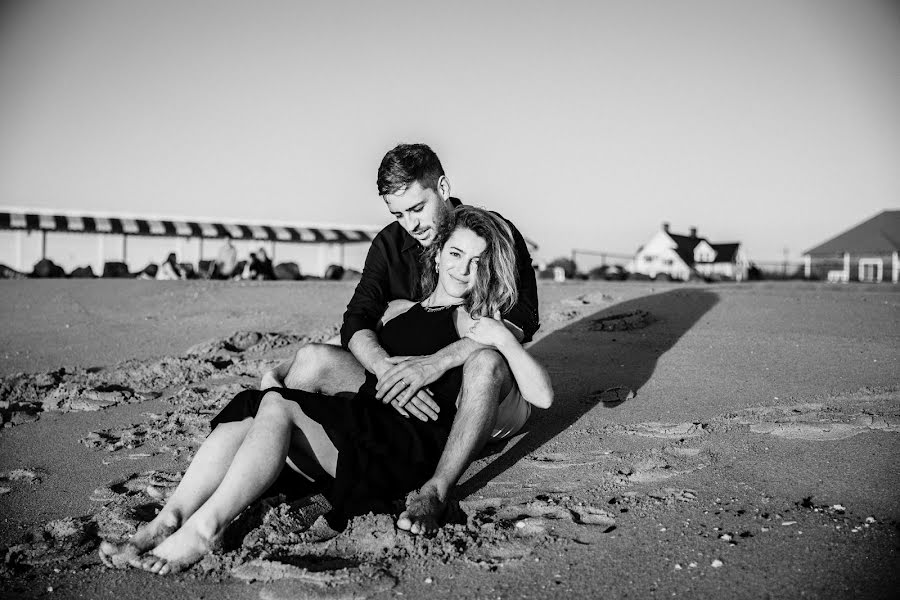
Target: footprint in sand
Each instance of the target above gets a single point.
(158, 485)
(26, 475)
(614, 396)
(652, 470)
(534, 513)
(567, 460)
(840, 419)
(255, 342)
(636, 319)
(667, 430)
(54, 542)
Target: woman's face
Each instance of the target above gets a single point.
(458, 262)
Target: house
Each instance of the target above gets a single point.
(867, 252)
(685, 256)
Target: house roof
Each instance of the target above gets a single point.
(879, 235)
(685, 246)
(726, 252)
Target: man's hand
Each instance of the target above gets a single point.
(403, 385)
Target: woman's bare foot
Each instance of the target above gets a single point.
(149, 536)
(425, 511)
(178, 551)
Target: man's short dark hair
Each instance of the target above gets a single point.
(408, 163)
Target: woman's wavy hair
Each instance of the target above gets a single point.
(496, 282)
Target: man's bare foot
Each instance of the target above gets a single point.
(149, 536)
(425, 511)
(177, 552)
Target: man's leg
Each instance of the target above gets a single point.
(486, 379)
(325, 369)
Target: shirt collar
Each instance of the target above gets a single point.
(409, 242)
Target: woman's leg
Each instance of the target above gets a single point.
(255, 466)
(199, 482)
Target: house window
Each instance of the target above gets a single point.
(669, 262)
(871, 270)
(648, 258)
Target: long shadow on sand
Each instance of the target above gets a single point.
(617, 346)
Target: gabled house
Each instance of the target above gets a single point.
(867, 252)
(684, 256)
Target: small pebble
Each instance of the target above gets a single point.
(789, 523)
(839, 507)
(692, 565)
(677, 567)
(725, 537)
(429, 580)
(870, 519)
(716, 564)
(763, 529)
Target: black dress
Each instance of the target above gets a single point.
(382, 455)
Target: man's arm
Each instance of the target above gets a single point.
(419, 371)
(419, 403)
(370, 296)
(524, 314)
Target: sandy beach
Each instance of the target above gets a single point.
(731, 440)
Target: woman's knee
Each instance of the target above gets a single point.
(273, 407)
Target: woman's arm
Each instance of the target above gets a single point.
(530, 375)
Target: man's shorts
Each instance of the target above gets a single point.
(512, 414)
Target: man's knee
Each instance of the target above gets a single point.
(486, 368)
(309, 367)
(486, 362)
(326, 369)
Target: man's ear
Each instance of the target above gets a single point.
(443, 188)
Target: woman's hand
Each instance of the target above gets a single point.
(490, 331)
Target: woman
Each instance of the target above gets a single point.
(374, 454)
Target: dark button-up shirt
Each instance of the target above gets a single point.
(392, 272)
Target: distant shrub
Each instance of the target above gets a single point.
(567, 264)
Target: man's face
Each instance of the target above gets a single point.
(419, 210)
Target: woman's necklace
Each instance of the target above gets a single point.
(429, 305)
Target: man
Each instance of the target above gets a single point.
(412, 183)
(226, 261)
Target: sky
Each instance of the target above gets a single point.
(773, 122)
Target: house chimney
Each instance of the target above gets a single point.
(666, 226)
(693, 232)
